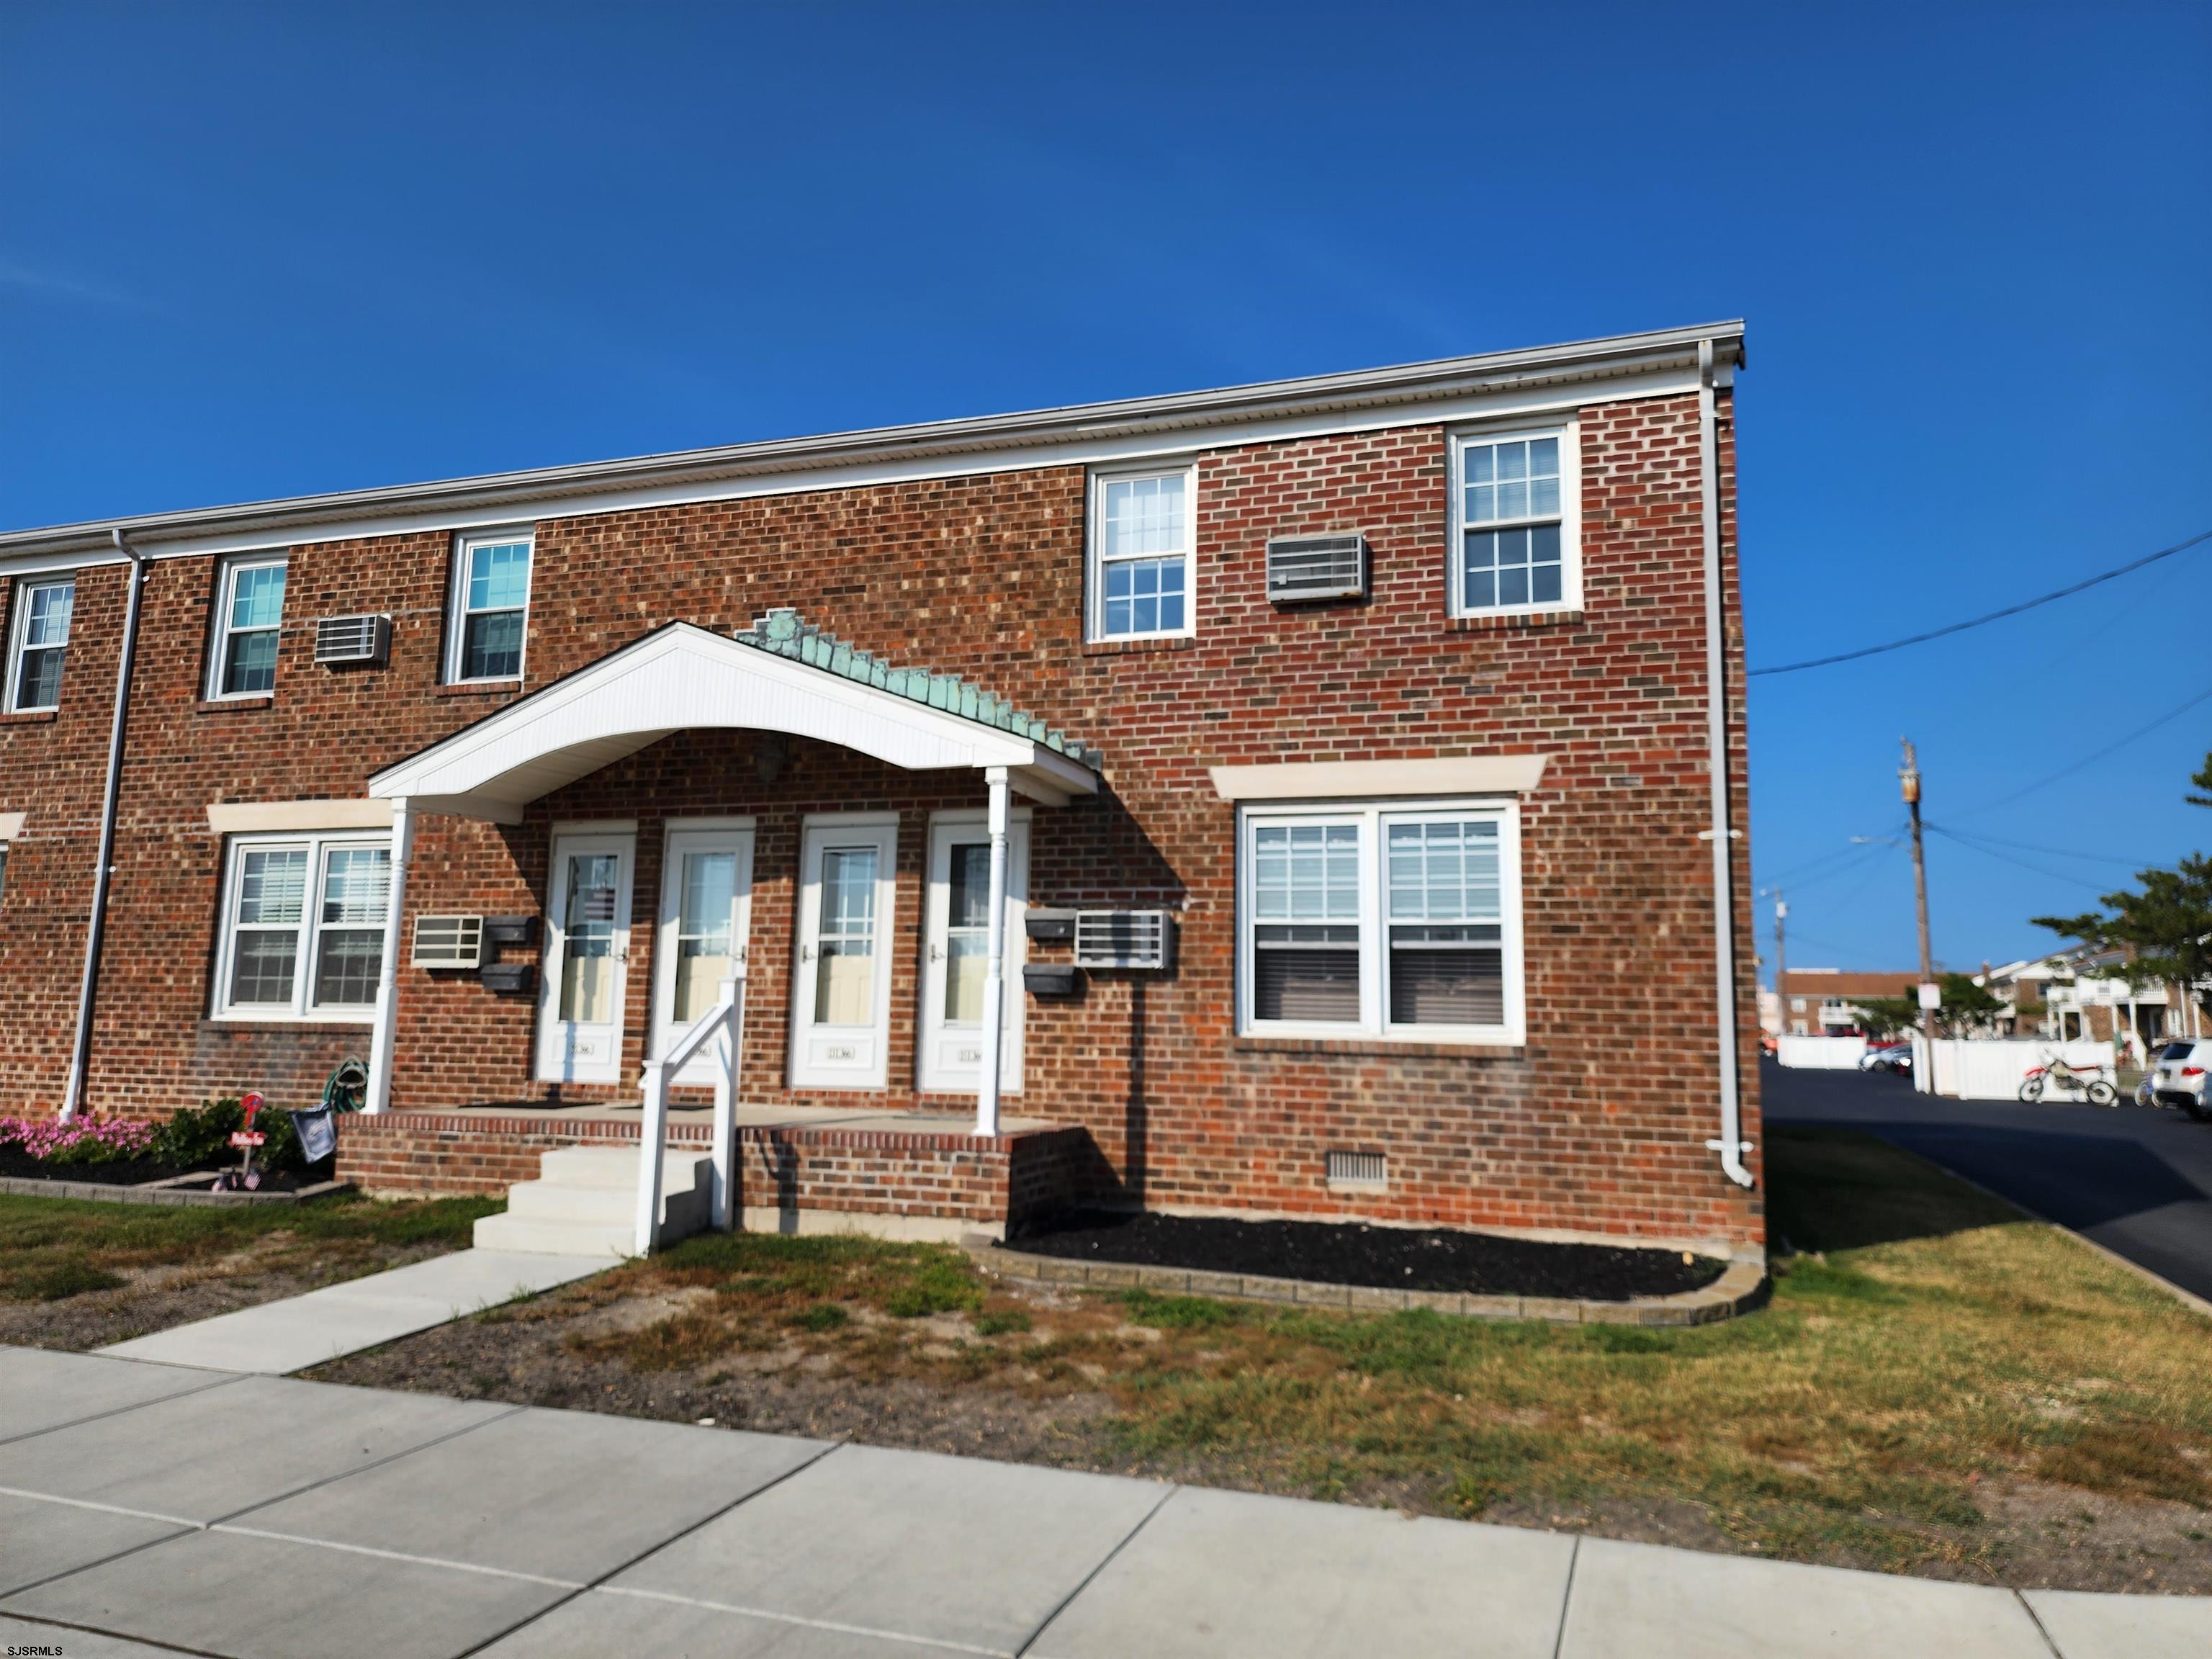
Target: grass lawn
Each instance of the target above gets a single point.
(1938, 1386)
(78, 1274)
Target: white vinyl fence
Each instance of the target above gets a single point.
(1993, 1068)
(1820, 1053)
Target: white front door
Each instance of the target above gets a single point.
(842, 993)
(706, 905)
(586, 953)
(956, 956)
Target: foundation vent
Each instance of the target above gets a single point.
(1357, 1170)
(448, 941)
(1316, 568)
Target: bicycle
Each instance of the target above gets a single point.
(2055, 1073)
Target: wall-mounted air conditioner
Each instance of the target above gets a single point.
(344, 640)
(1124, 938)
(1301, 568)
(448, 941)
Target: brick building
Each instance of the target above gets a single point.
(1366, 721)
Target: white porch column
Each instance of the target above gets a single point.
(387, 976)
(994, 982)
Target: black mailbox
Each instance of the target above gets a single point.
(510, 930)
(1052, 979)
(1051, 927)
(508, 978)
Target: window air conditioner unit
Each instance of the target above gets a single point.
(1301, 568)
(1124, 938)
(353, 640)
(448, 941)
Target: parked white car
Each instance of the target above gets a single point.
(2178, 1076)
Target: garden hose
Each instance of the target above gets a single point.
(348, 1086)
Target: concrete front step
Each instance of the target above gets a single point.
(585, 1203)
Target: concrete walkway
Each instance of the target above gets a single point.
(302, 1331)
(270, 1518)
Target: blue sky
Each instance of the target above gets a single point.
(255, 251)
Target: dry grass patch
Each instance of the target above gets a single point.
(1925, 1346)
(76, 1273)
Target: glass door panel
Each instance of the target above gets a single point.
(841, 1013)
(705, 902)
(587, 954)
(957, 962)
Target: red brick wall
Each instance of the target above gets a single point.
(1597, 1123)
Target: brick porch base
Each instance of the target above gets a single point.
(991, 1181)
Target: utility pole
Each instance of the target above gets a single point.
(1908, 776)
(1781, 961)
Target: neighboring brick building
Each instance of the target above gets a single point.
(1825, 1001)
(1412, 838)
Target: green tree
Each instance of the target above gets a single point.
(2165, 925)
(1884, 1017)
(1966, 1004)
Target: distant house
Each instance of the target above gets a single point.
(2073, 995)
(1825, 1001)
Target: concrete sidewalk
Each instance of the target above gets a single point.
(270, 1518)
(300, 1331)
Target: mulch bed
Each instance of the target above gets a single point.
(1396, 1258)
(137, 1172)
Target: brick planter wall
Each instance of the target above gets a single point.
(1007, 1178)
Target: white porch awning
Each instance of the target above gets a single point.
(681, 676)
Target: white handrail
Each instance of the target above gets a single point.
(726, 1019)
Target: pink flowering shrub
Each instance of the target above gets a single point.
(84, 1140)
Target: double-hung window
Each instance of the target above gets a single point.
(1142, 577)
(38, 644)
(303, 927)
(249, 613)
(1388, 921)
(491, 602)
(1517, 517)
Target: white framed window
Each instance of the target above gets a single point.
(1517, 521)
(1143, 579)
(302, 926)
(248, 615)
(37, 643)
(490, 605)
(840, 992)
(1386, 920)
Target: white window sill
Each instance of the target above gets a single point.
(367, 1017)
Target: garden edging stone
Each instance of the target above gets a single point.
(161, 1192)
(1742, 1288)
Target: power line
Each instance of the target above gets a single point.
(2060, 852)
(1991, 853)
(1994, 616)
(2089, 760)
(1796, 871)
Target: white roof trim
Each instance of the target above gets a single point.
(254, 817)
(1475, 774)
(1658, 363)
(684, 676)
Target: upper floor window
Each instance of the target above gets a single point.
(1382, 921)
(302, 934)
(249, 611)
(491, 600)
(37, 643)
(1141, 568)
(1517, 508)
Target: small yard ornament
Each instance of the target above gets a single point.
(245, 1178)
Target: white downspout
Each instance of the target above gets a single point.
(387, 975)
(995, 983)
(96, 932)
(1731, 1146)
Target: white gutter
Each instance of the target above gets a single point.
(1731, 1146)
(81, 1052)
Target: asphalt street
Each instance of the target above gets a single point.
(2138, 1182)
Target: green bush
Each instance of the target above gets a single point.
(198, 1137)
